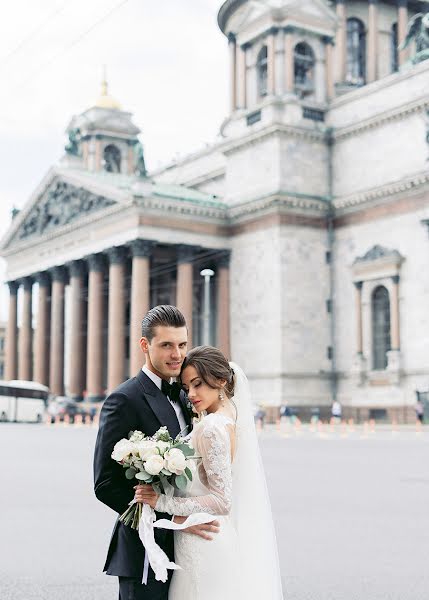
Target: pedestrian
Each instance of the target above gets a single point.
(420, 411)
(336, 411)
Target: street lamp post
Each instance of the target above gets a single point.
(207, 274)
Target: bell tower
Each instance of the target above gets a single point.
(281, 54)
(104, 138)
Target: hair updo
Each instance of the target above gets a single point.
(212, 367)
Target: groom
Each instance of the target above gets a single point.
(145, 402)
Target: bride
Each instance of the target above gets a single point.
(229, 482)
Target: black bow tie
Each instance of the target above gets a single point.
(172, 390)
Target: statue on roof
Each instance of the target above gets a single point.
(140, 166)
(418, 31)
(73, 146)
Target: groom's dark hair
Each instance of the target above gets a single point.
(162, 315)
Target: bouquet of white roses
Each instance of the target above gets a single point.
(158, 460)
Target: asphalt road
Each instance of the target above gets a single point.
(351, 511)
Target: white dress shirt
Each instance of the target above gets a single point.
(176, 405)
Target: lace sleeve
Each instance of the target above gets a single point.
(214, 446)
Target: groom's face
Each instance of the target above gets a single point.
(166, 351)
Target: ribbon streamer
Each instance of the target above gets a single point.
(154, 555)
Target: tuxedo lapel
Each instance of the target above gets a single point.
(184, 402)
(159, 404)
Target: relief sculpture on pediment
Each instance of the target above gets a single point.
(62, 204)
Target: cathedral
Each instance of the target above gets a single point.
(311, 211)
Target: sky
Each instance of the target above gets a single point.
(166, 61)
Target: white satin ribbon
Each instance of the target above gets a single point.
(154, 555)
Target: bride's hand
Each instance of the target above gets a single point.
(145, 494)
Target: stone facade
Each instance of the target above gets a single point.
(2, 349)
(314, 198)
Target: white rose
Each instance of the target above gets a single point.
(162, 446)
(154, 464)
(175, 461)
(122, 450)
(146, 448)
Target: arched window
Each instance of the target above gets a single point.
(262, 71)
(304, 67)
(394, 48)
(112, 159)
(356, 51)
(380, 327)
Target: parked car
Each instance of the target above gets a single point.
(62, 406)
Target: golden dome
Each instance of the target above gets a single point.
(106, 101)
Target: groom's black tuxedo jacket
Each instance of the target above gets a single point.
(135, 404)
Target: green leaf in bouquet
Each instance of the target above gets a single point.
(143, 476)
(188, 473)
(187, 451)
(181, 482)
(166, 472)
(130, 473)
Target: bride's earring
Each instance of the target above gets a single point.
(221, 398)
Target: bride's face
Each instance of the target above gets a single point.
(202, 396)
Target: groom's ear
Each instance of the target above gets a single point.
(144, 343)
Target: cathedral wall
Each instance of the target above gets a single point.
(199, 169)
(256, 292)
(253, 170)
(305, 324)
(405, 233)
(387, 142)
(304, 166)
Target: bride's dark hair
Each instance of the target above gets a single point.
(212, 366)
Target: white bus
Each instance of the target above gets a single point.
(22, 401)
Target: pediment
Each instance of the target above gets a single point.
(61, 203)
(315, 10)
(311, 11)
(247, 14)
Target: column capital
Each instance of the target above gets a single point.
(340, 2)
(358, 284)
(27, 283)
(402, 3)
(96, 262)
(13, 287)
(58, 274)
(244, 47)
(289, 29)
(224, 259)
(116, 255)
(76, 268)
(185, 253)
(373, 1)
(43, 279)
(231, 38)
(141, 248)
(395, 279)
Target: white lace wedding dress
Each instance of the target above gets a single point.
(241, 562)
(209, 568)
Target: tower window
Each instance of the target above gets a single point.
(304, 68)
(356, 51)
(380, 327)
(112, 159)
(394, 47)
(262, 71)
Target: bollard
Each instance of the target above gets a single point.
(78, 420)
(351, 425)
(372, 425)
(66, 421)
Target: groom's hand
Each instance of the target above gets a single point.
(203, 531)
